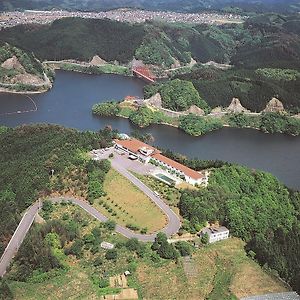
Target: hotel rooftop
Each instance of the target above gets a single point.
(147, 152)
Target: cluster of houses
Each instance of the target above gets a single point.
(148, 154)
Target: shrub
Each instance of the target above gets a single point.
(110, 225)
(103, 283)
(184, 248)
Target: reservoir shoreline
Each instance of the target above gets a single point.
(69, 104)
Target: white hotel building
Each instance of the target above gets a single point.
(145, 153)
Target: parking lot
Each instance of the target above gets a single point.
(121, 158)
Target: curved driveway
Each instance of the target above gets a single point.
(173, 220)
(171, 228)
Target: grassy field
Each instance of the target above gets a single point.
(223, 271)
(127, 205)
(75, 284)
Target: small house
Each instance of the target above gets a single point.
(215, 233)
(107, 246)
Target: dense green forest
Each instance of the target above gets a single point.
(176, 95)
(254, 88)
(268, 40)
(257, 208)
(33, 151)
(164, 44)
(75, 38)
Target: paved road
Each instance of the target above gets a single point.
(18, 237)
(27, 220)
(173, 220)
(169, 230)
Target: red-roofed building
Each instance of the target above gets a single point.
(145, 153)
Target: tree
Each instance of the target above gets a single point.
(110, 225)
(76, 248)
(205, 238)
(103, 283)
(89, 238)
(5, 291)
(111, 254)
(184, 248)
(98, 261)
(133, 244)
(167, 251)
(161, 238)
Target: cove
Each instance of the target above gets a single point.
(69, 104)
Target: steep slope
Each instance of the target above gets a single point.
(172, 45)
(254, 88)
(22, 71)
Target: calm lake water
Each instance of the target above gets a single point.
(69, 103)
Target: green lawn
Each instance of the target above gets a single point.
(126, 204)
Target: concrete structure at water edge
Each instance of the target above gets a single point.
(145, 153)
(215, 234)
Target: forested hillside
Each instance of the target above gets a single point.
(167, 45)
(28, 154)
(254, 88)
(74, 38)
(264, 53)
(268, 40)
(177, 95)
(257, 208)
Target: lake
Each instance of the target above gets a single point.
(69, 103)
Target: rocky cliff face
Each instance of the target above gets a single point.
(274, 105)
(13, 64)
(236, 106)
(97, 61)
(155, 101)
(19, 68)
(195, 110)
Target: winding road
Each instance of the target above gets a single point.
(171, 228)
(18, 237)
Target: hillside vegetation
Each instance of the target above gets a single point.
(33, 151)
(254, 88)
(257, 208)
(176, 95)
(263, 51)
(75, 38)
(21, 70)
(268, 40)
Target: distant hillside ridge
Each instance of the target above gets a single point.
(269, 40)
(282, 6)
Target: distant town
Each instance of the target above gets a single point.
(10, 19)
